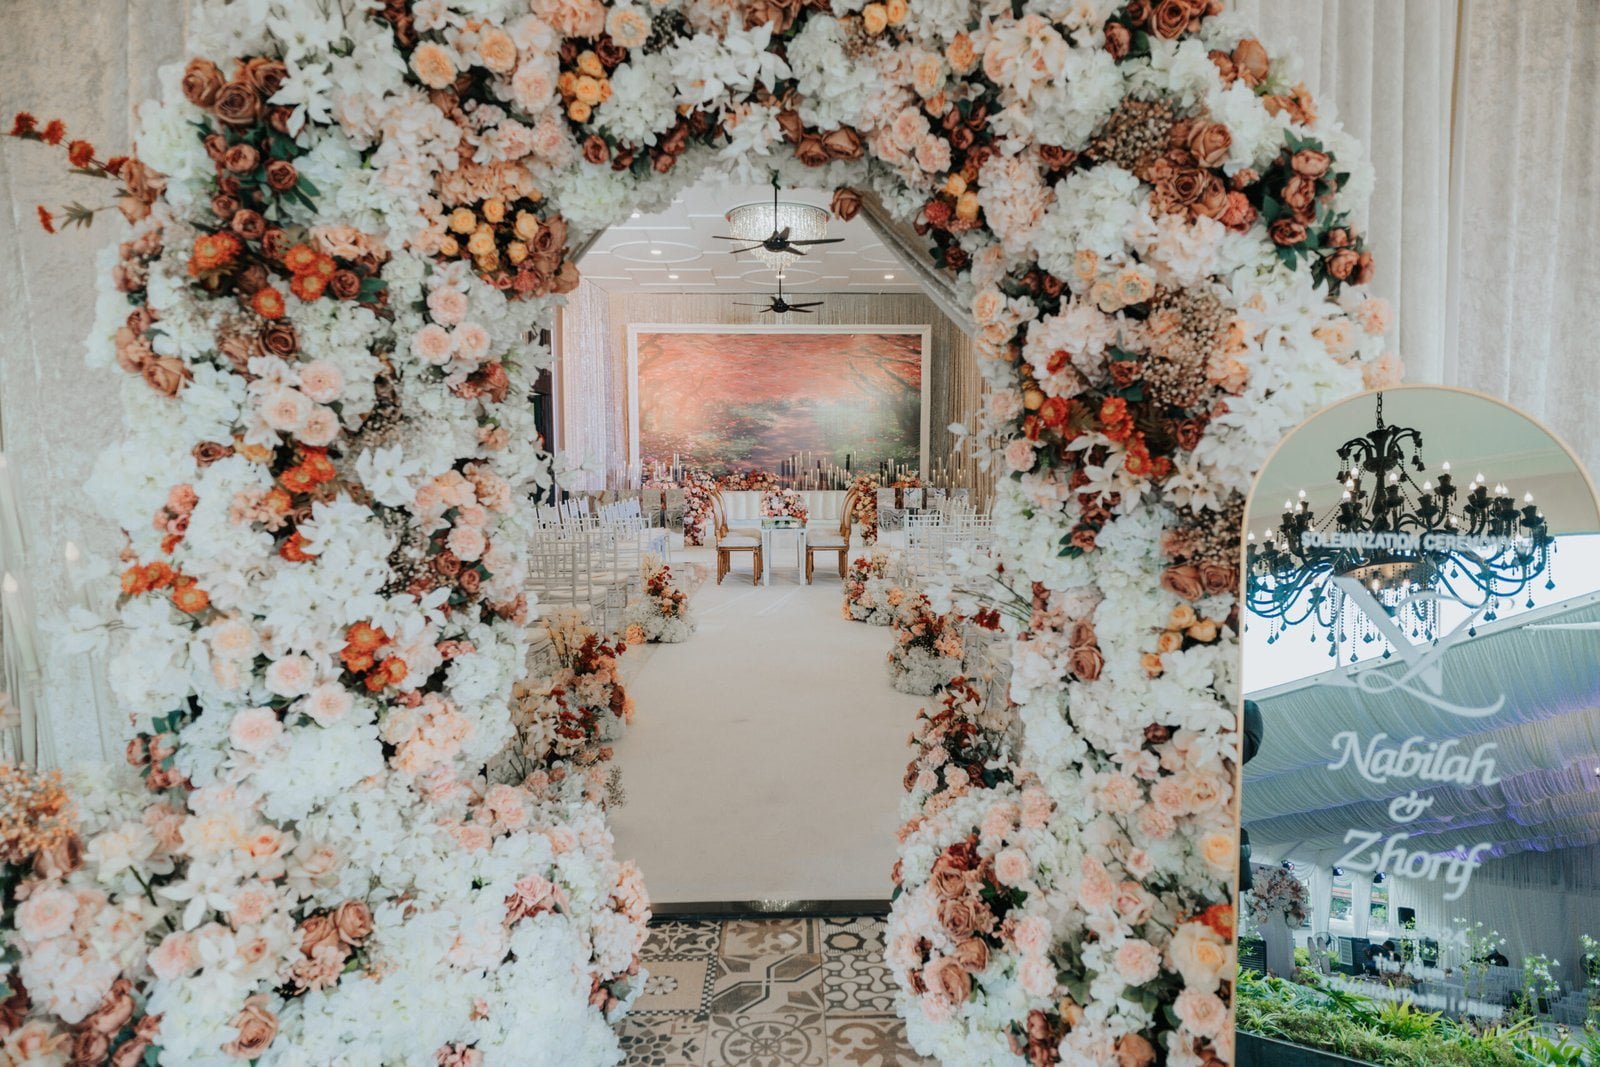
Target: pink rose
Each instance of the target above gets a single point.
(1137, 962)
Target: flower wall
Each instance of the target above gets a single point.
(351, 220)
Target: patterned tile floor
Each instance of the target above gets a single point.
(766, 993)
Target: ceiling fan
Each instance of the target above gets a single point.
(778, 305)
(778, 243)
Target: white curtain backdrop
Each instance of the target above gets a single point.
(1484, 240)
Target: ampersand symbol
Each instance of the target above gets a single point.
(1409, 807)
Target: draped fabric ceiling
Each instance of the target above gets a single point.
(1546, 738)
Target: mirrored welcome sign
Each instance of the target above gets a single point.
(1422, 688)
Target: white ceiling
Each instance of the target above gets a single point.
(642, 254)
(1471, 432)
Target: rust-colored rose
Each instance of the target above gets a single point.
(948, 883)
(354, 921)
(810, 151)
(1184, 581)
(251, 280)
(257, 1026)
(959, 916)
(248, 224)
(1250, 62)
(1188, 433)
(1170, 19)
(1209, 142)
(237, 104)
(281, 175)
(846, 203)
(315, 931)
(278, 338)
(609, 52)
(955, 257)
(1087, 663)
(216, 146)
(1219, 578)
(267, 75)
(1119, 42)
(208, 452)
(202, 81)
(89, 1048)
(130, 1053)
(961, 139)
(789, 122)
(470, 581)
(447, 563)
(1300, 196)
(136, 753)
(1138, 12)
(278, 118)
(1134, 1050)
(115, 1010)
(843, 143)
(143, 183)
(241, 158)
(1287, 231)
(1083, 539)
(165, 374)
(1310, 163)
(1187, 184)
(973, 954)
(1213, 199)
(1366, 267)
(1342, 264)
(345, 284)
(552, 236)
(1054, 157)
(595, 149)
(60, 859)
(1082, 634)
(946, 976)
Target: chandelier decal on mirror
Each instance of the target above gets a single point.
(1411, 544)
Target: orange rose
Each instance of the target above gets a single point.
(435, 67)
(1209, 142)
(1250, 62)
(1310, 163)
(874, 18)
(202, 81)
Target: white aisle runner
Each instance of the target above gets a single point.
(767, 751)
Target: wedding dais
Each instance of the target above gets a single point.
(745, 533)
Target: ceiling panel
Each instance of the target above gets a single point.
(641, 254)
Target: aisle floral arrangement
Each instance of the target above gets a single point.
(870, 594)
(966, 743)
(662, 615)
(567, 715)
(928, 646)
(863, 495)
(784, 504)
(348, 217)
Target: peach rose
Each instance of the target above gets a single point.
(1203, 1013)
(1134, 1050)
(353, 920)
(46, 914)
(973, 954)
(257, 1026)
(255, 730)
(947, 978)
(175, 957)
(1200, 955)
(1087, 663)
(165, 374)
(1011, 867)
(1137, 962)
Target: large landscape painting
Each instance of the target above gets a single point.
(737, 398)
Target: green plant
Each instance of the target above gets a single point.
(1401, 1018)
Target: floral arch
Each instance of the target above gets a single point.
(349, 220)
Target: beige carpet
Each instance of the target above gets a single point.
(765, 758)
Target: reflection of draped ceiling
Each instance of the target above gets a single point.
(1547, 738)
(898, 237)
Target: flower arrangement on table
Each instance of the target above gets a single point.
(964, 744)
(928, 646)
(1276, 893)
(786, 505)
(870, 594)
(662, 615)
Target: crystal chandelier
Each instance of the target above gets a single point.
(1400, 540)
(756, 222)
